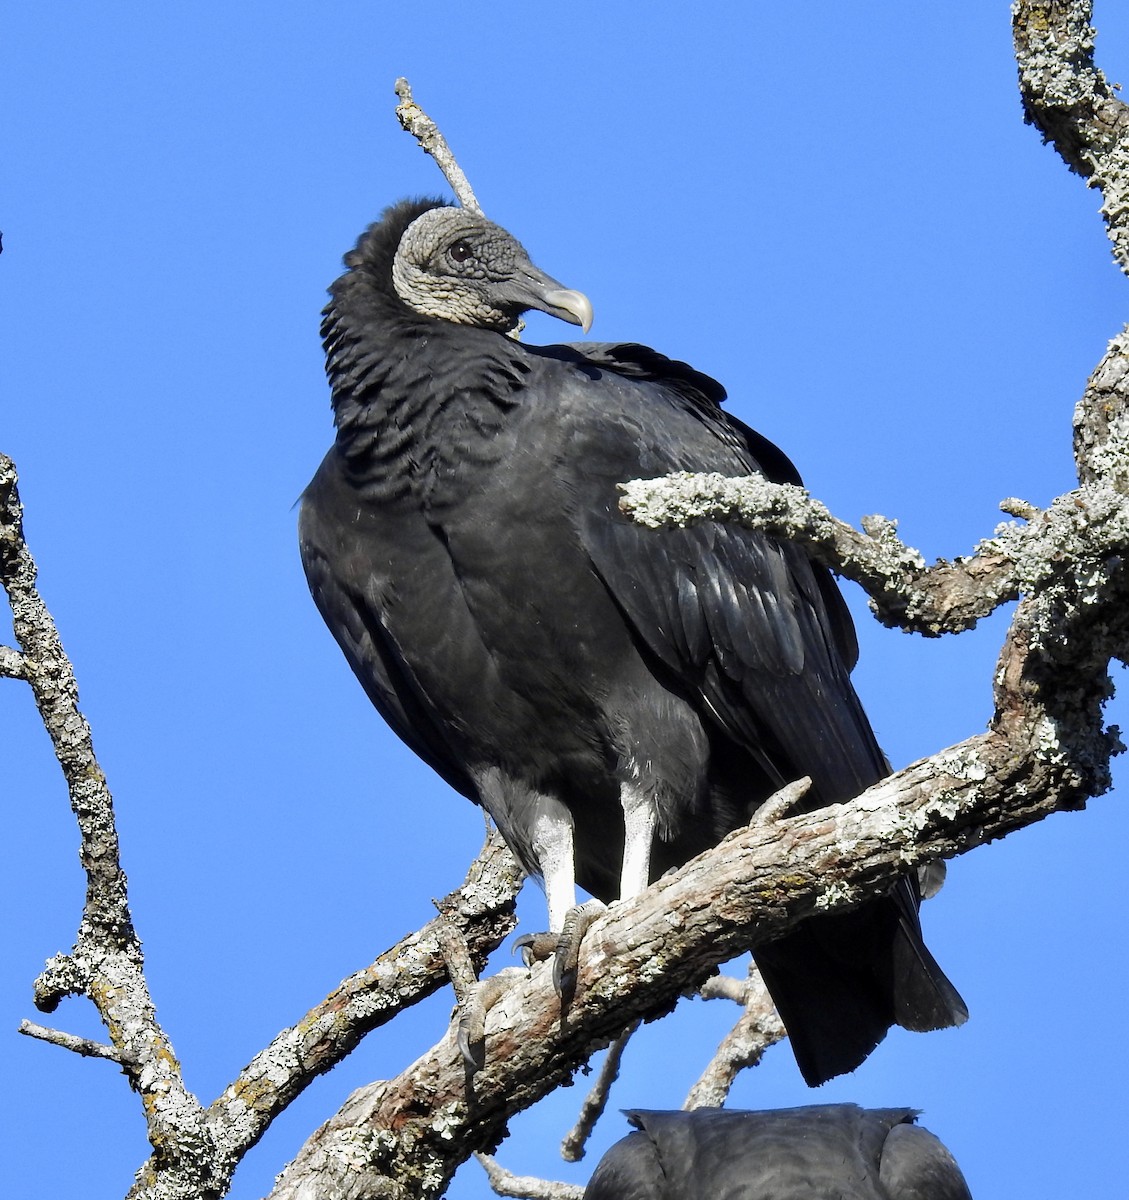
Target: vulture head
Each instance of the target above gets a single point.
(455, 265)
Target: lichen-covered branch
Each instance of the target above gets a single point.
(69, 1041)
(744, 1045)
(526, 1187)
(1072, 104)
(416, 122)
(106, 963)
(948, 597)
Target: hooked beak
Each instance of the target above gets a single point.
(532, 288)
(574, 307)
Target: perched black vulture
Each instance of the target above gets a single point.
(617, 698)
(823, 1152)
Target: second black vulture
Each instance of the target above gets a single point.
(820, 1152)
(617, 698)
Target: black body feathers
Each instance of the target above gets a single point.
(822, 1152)
(551, 659)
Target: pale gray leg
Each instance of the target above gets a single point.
(552, 843)
(639, 819)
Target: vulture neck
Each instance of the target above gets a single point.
(411, 391)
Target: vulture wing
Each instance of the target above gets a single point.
(751, 624)
(761, 635)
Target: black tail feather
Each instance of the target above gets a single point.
(840, 981)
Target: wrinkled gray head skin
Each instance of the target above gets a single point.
(457, 266)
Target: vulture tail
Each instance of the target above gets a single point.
(840, 981)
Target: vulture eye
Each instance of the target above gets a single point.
(460, 251)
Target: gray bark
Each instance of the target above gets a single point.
(1046, 749)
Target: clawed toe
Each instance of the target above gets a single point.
(562, 947)
(471, 1033)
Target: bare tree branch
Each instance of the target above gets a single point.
(572, 1148)
(416, 122)
(744, 1045)
(70, 1041)
(106, 964)
(1072, 104)
(526, 1187)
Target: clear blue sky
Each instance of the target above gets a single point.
(835, 210)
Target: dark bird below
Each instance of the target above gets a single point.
(617, 698)
(823, 1152)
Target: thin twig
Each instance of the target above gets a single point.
(572, 1148)
(526, 1187)
(70, 1041)
(416, 122)
(743, 1046)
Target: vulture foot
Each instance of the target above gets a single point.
(562, 947)
(471, 1035)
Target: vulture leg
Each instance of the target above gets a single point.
(639, 821)
(639, 818)
(553, 848)
(552, 840)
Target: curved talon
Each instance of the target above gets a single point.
(535, 947)
(471, 1033)
(566, 956)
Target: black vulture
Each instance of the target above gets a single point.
(822, 1152)
(617, 698)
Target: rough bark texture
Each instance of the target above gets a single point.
(1046, 750)
(1072, 104)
